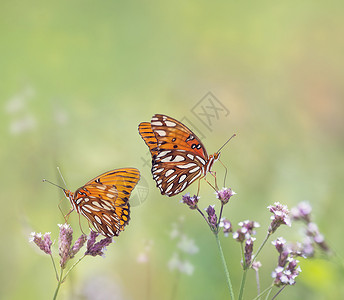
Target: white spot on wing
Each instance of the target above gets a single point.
(171, 178)
(189, 165)
(169, 172)
(201, 159)
(160, 132)
(184, 186)
(169, 188)
(163, 153)
(166, 159)
(190, 156)
(178, 158)
(159, 170)
(182, 178)
(194, 170)
(98, 219)
(170, 124)
(156, 123)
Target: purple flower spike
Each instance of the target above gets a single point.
(94, 248)
(226, 225)
(212, 218)
(43, 243)
(190, 201)
(280, 216)
(224, 195)
(78, 245)
(302, 212)
(286, 276)
(249, 251)
(65, 241)
(279, 244)
(246, 230)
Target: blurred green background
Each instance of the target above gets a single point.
(77, 77)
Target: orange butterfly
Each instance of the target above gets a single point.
(178, 155)
(104, 200)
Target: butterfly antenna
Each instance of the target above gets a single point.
(46, 180)
(226, 142)
(58, 169)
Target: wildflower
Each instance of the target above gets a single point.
(279, 244)
(212, 218)
(98, 248)
(190, 201)
(187, 245)
(226, 225)
(43, 243)
(78, 245)
(280, 216)
(302, 212)
(248, 251)
(246, 230)
(256, 265)
(313, 232)
(224, 195)
(65, 240)
(286, 275)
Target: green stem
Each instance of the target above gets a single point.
(225, 267)
(243, 280)
(57, 275)
(244, 274)
(71, 268)
(58, 285)
(260, 248)
(263, 292)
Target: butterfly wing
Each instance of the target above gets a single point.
(104, 200)
(146, 132)
(178, 155)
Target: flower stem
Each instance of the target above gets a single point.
(57, 275)
(72, 267)
(243, 280)
(268, 289)
(58, 285)
(261, 247)
(225, 267)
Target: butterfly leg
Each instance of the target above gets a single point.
(214, 174)
(67, 215)
(210, 184)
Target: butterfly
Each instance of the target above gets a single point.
(104, 200)
(178, 155)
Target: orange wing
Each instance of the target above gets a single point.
(104, 200)
(145, 130)
(178, 155)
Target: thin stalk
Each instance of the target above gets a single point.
(218, 222)
(281, 289)
(203, 216)
(56, 273)
(261, 247)
(244, 274)
(243, 280)
(268, 289)
(229, 283)
(72, 267)
(58, 285)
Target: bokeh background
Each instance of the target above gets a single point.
(77, 77)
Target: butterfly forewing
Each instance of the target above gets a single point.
(104, 200)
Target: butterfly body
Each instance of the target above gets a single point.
(104, 200)
(178, 155)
